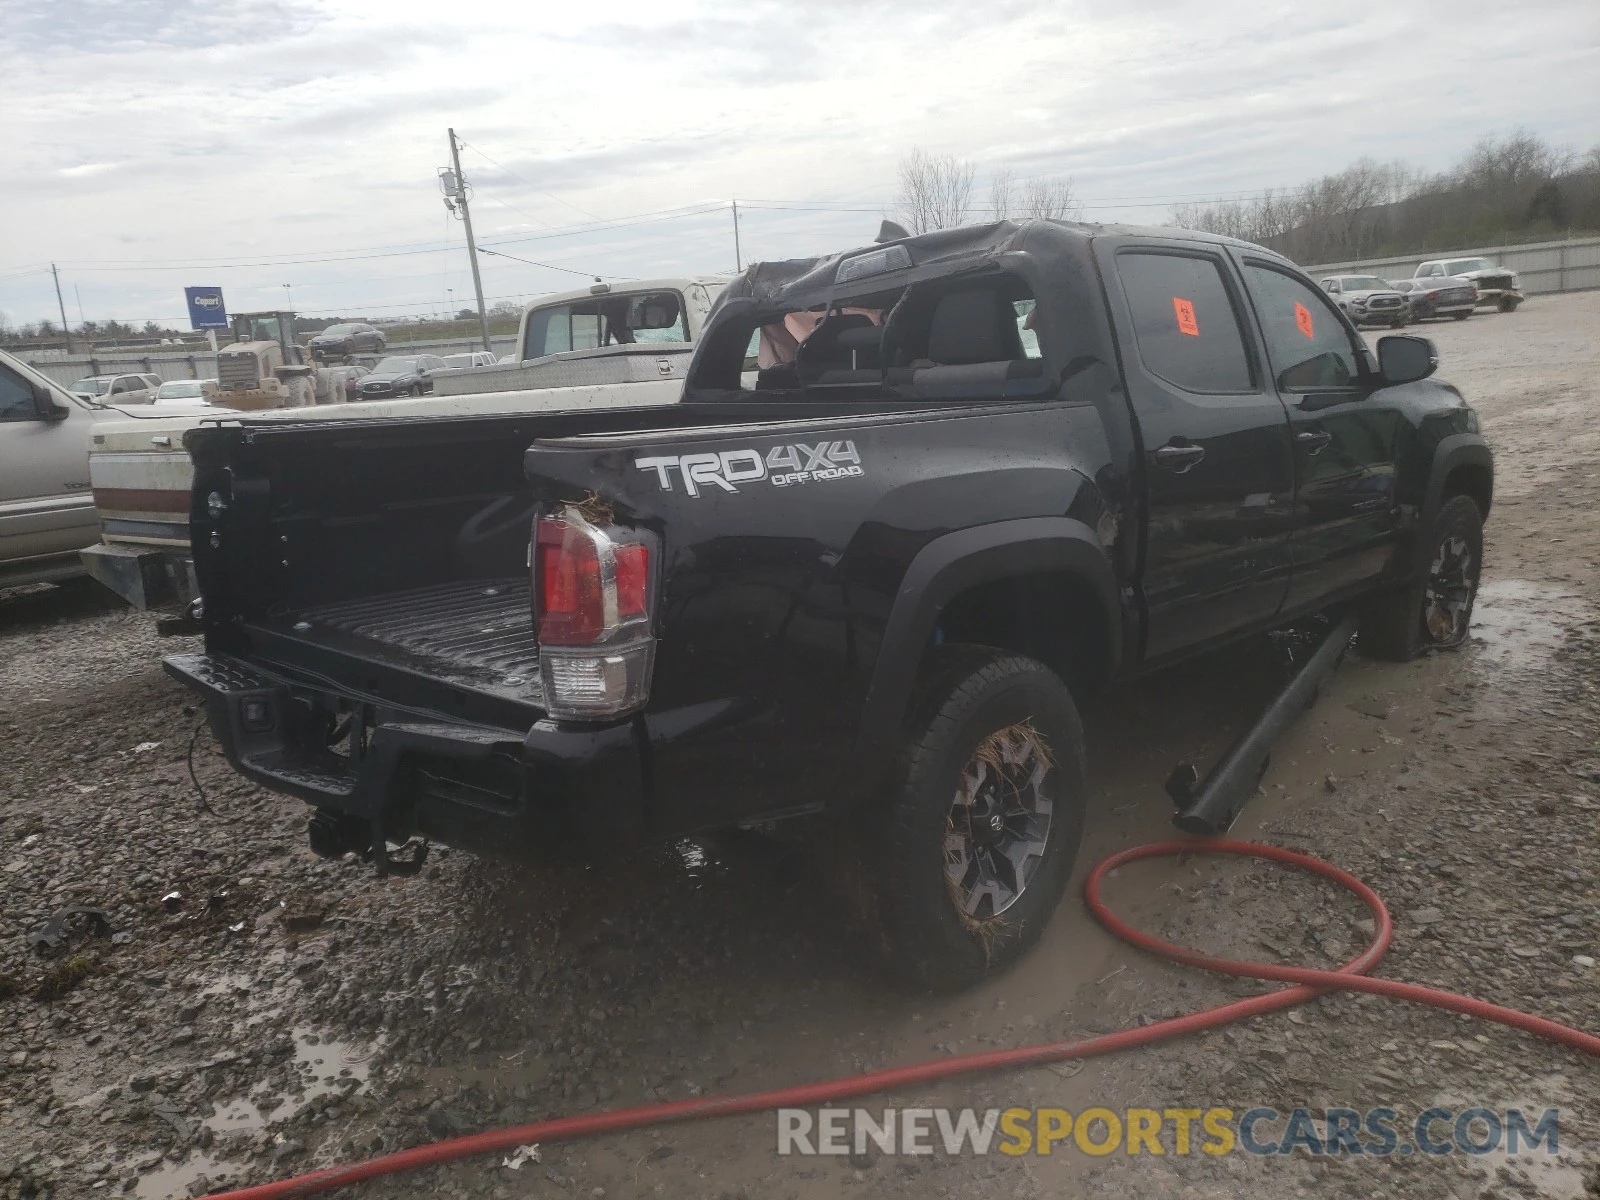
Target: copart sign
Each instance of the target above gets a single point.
(782, 466)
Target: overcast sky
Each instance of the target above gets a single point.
(153, 144)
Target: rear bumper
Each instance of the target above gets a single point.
(520, 794)
(146, 577)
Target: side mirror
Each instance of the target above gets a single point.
(49, 410)
(1406, 359)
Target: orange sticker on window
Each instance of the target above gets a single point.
(1186, 321)
(1302, 318)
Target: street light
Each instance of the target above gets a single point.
(288, 298)
(450, 301)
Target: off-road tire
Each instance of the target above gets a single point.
(967, 694)
(1392, 623)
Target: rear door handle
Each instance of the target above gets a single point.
(1312, 441)
(1179, 459)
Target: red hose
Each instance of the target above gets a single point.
(1310, 982)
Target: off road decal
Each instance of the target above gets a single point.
(1185, 311)
(782, 466)
(1302, 318)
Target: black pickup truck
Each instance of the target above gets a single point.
(975, 476)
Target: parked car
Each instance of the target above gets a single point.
(477, 358)
(1437, 297)
(117, 389)
(1367, 300)
(1496, 286)
(408, 375)
(349, 377)
(877, 581)
(47, 514)
(182, 391)
(343, 340)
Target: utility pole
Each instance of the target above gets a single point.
(66, 330)
(472, 246)
(738, 263)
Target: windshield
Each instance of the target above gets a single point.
(1363, 283)
(91, 386)
(645, 317)
(338, 331)
(1457, 265)
(183, 389)
(395, 366)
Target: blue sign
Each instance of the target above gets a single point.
(206, 310)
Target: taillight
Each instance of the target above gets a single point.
(591, 601)
(1433, 295)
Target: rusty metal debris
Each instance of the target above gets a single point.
(52, 935)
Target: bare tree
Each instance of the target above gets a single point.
(1051, 199)
(1002, 193)
(935, 190)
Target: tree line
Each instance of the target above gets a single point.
(1511, 188)
(1508, 188)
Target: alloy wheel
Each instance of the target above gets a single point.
(999, 823)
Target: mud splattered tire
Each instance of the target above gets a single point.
(967, 859)
(1433, 611)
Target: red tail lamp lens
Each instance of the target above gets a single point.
(570, 598)
(633, 573)
(571, 594)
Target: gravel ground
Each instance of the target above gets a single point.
(252, 1011)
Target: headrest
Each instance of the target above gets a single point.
(969, 327)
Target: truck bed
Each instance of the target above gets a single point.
(472, 636)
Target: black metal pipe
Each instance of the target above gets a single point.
(1212, 808)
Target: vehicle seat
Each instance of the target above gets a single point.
(972, 339)
(828, 353)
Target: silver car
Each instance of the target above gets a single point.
(182, 391)
(117, 389)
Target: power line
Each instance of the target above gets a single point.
(531, 263)
(534, 186)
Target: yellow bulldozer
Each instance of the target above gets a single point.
(265, 368)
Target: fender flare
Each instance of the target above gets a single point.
(941, 570)
(1457, 450)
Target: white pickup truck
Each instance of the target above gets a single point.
(603, 346)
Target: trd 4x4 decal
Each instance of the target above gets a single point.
(781, 465)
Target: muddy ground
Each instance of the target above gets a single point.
(257, 1011)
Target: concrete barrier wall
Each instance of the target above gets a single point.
(1572, 265)
(67, 369)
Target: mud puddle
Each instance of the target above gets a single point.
(1522, 625)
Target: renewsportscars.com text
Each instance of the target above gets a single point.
(1100, 1131)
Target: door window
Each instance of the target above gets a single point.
(1307, 345)
(1184, 321)
(16, 399)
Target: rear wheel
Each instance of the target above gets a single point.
(1398, 323)
(968, 859)
(1462, 316)
(1434, 611)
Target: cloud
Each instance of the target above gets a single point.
(230, 132)
(85, 169)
